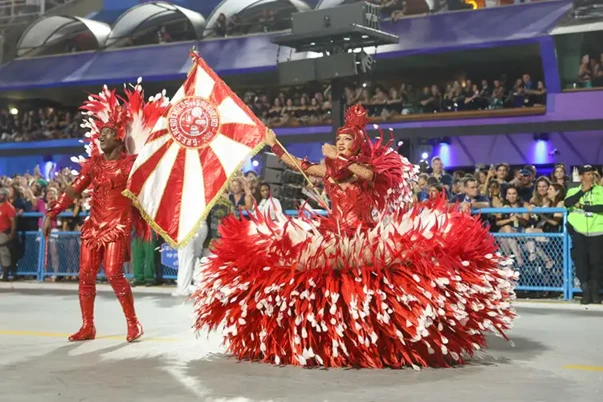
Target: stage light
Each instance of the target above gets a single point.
(364, 85)
(255, 163)
(424, 155)
(14, 111)
(400, 143)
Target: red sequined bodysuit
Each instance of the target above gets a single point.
(351, 203)
(105, 238)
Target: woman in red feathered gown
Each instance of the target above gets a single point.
(377, 283)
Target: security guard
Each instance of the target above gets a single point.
(585, 205)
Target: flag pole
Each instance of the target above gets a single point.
(294, 160)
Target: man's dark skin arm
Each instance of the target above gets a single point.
(13, 228)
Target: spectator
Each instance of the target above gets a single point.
(555, 196)
(559, 175)
(437, 190)
(421, 187)
(597, 79)
(163, 36)
(538, 95)
(537, 222)
(437, 167)
(238, 198)
(525, 187)
(269, 206)
(495, 194)
(8, 231)
(221, 26)
(471, 199)
(498, 95)
(540, 193)
(472, 98)
(585, 73)
(457, 187)
(513, 223)
(428, 101)
(232, 26)
(52, 195)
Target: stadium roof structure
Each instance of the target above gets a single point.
(527, 24)
(332, 3)
(50, 30)
(241, 7)
(152, 14)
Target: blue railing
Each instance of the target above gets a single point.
(542, 259)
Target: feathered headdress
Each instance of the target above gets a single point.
(356, 120)
(130, 116)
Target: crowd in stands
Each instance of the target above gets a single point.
(41, 124)
(311, 105)
(590, 72)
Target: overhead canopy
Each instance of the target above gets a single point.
(332, 3)
(577, 26)
(242, 7)
(147, 15)
(446, 32)
(154, 63)
(49, 31)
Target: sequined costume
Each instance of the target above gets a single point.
(106, 233)
(379, 282)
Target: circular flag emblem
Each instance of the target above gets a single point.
(193, 122)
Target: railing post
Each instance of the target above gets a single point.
(567, 275)
(41, 254)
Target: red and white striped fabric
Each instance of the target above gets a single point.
(204, 137)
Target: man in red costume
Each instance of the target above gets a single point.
(116, 133)
(106, 234)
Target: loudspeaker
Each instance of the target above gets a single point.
(273, 162)
(277, 190)
(296, 72)
(293, 178)
(337, 65)
(359, 13)
(272, 176)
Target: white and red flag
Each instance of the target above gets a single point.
(201, 141)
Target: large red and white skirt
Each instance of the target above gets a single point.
(422, 288)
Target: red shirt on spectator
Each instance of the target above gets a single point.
(7, 213)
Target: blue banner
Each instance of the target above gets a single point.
(169, 256)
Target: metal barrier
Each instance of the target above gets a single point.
(543, 260)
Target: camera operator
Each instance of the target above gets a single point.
(585, 206)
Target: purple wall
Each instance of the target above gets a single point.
(571, 148)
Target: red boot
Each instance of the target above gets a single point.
(87, 331)
(135, 330)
